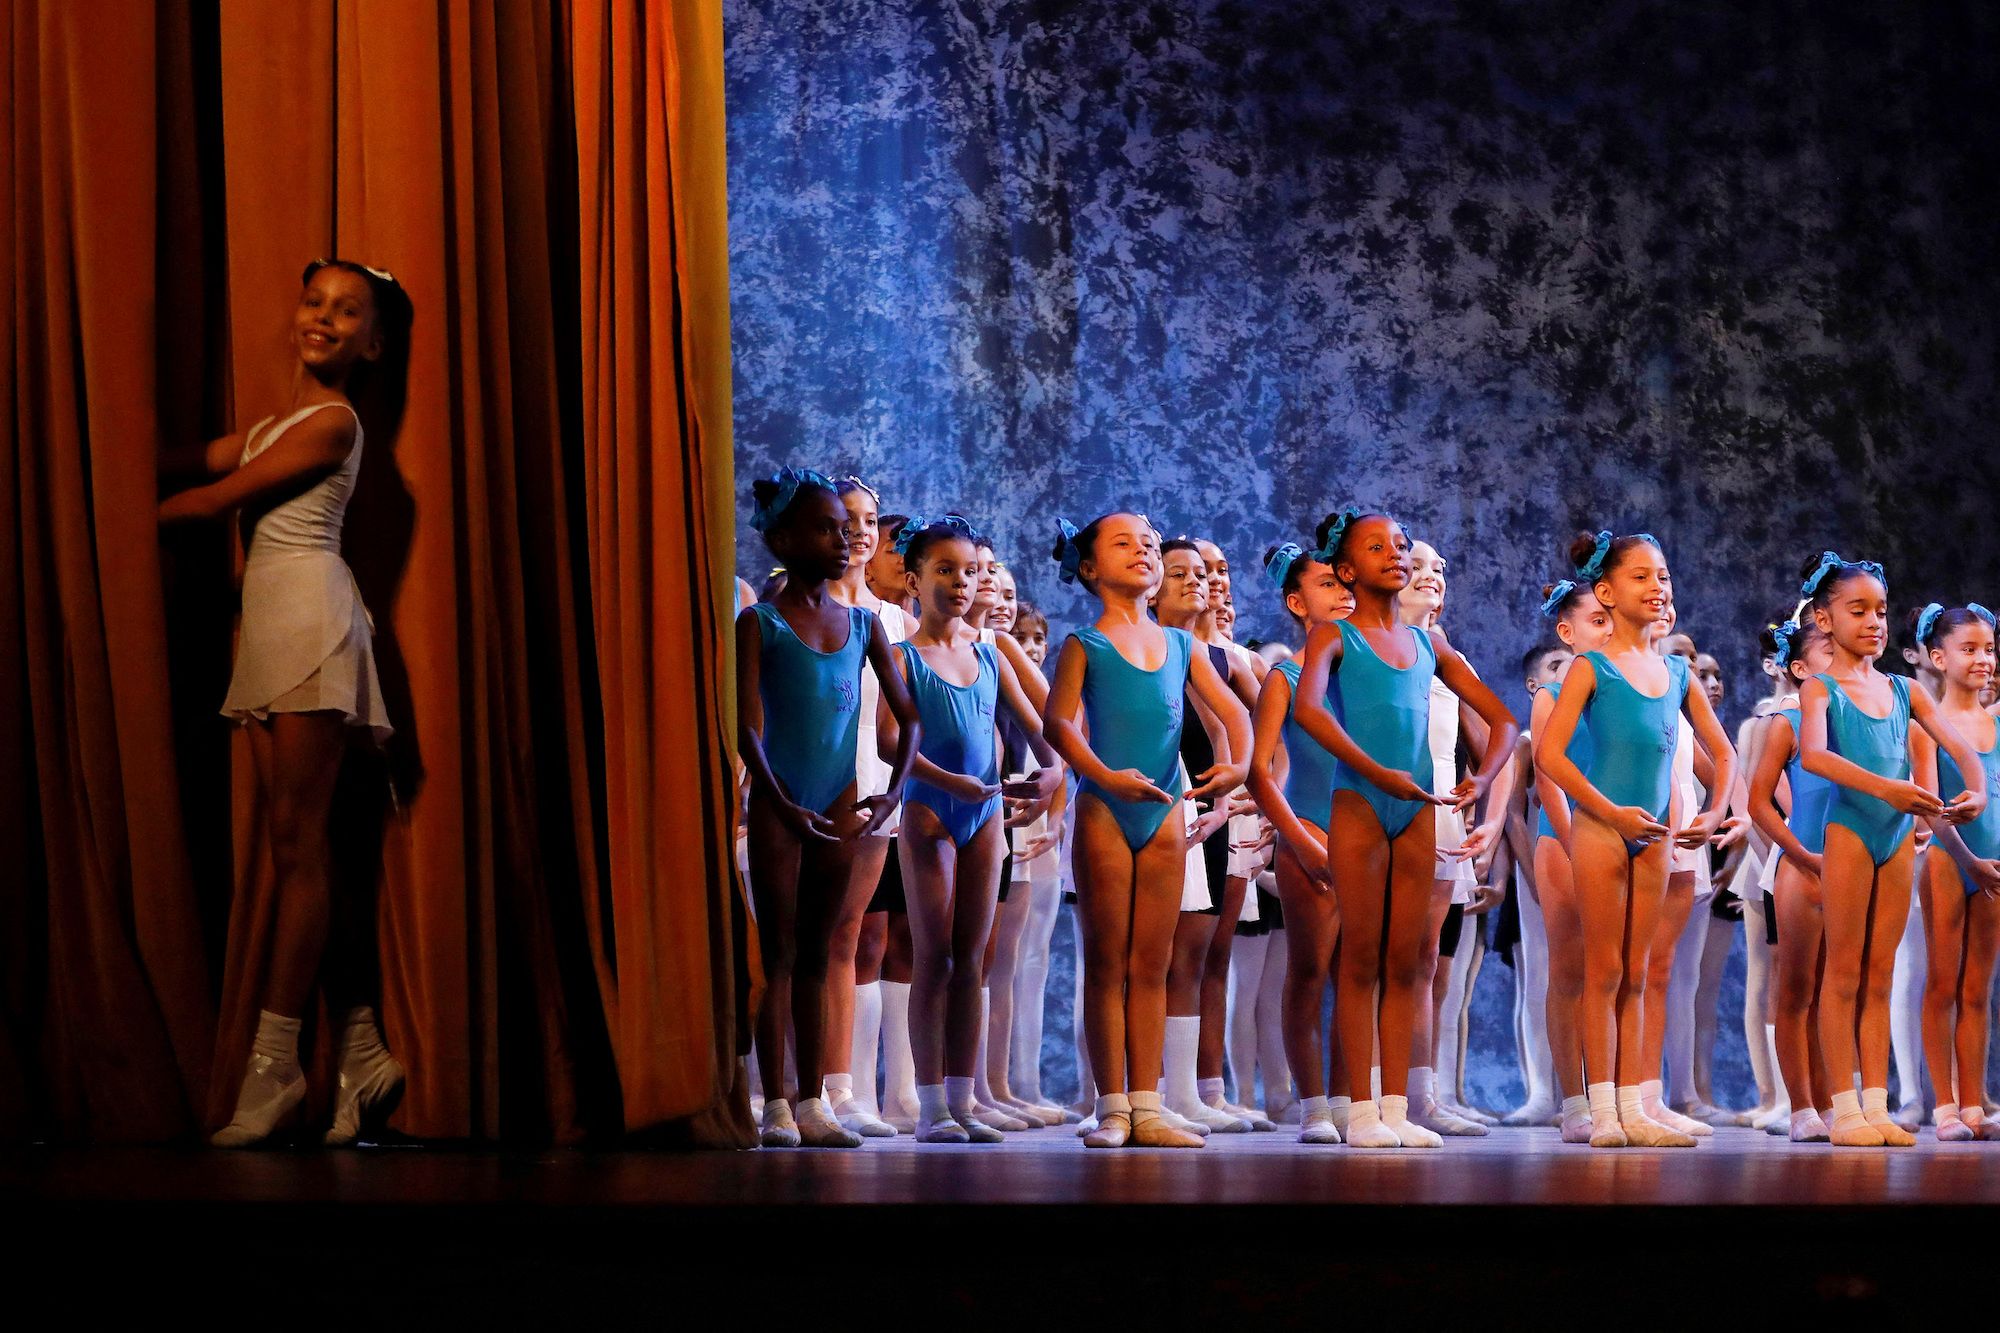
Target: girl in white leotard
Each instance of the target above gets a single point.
(305, 677)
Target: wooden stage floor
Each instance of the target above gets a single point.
(1038, 1228)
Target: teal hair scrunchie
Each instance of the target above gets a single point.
(1787, 636)
(1591, 570)
(1557, 596)
(1927, 620)
(1069, 556)
(917, 524)
(1981, 612)
(1342, 520)
(1279, 567)
(788, 480)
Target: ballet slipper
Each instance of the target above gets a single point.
(1155, 1132)
(1366, 1130)
(1532, 1113)
(1318, 1128)
(977, 1130)
(1432, 1115)
(778, 1130)
(1111, 1132)
(1893, 1134)
(1642, 1131)
(1576, 1129)
(946, 1130)
(1855, 1134)
(267, 1106)
(1951, 1129)
(818, 1129)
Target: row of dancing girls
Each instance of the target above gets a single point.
(1361, 694)
(1856, 783)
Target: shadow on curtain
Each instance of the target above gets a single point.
(542, 853)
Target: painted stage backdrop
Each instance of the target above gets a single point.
(1723, 273)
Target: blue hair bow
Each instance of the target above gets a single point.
(1279, 567)
(1335, 531)
(1593, 569)
(917, 523)
(788, 480)
(1927, 621)
(1068, 554)
(1981, 612)
(1786, 636)
(1557, 596)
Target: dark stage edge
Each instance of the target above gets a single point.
(1512, 1230)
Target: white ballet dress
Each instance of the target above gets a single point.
(305, 643)
(1457, 871)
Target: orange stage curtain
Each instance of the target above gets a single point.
(647, 90)
(561, 946)
(107, 1002)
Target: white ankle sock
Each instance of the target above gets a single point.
(1846, 1110)
(1183, 1036)
(1576, 1108)
(1874, 1099)
(1209, 1089)
(958, 1097)
(899, 1068)
(1603, 1099)
(277, 1041)
(1423, 1086)
(1342, 1108)
(932, 1105)
(1313, 1106)
(1145, 1106)
(837, 1089)
(1113, 1103)
(867, 1037)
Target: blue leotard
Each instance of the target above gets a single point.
(1579, 751)
(812, 706)
(1387, 710)
(958, 737)
(1882, 746)
(1308, 766)
(1812, 795)
(1135, 722)
(1632, 737)
(1982, 835)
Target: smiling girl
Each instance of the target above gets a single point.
(305, 677)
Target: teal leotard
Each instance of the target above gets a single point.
(1982, 835)
(958, 737)
(1882, 746)
(1387, 710)
(1632, 737)
(1135, 722)
(812, 706)
(1579, 752)
(1811, 793)
(1308, 767)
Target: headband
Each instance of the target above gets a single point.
(1279, 567)
(1829, 562)
(850, 482)
(372, 271)
(788, 481)
(1557, 596)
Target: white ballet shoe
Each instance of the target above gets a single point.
(995, 1118)
(1395, 1113)
(1178, 1123)
(868, 1125)
(779, 1129)
(1366, 1130)
(1217, 1120)
(1318, 1128)
(1642, 1131)
(371, 1080)
(1438, 1120)
(267, 1104)
(946, 1130)
(1780, 1114)
(1532, 1113)
(1258, 1122)
(1086, 1127)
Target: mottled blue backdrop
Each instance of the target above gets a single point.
(1723, 272)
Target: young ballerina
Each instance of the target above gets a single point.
(1181, 602)
(953, 837)
(1801, 651)
(1962, 908)
(1583, 625)
(1300, 808)
(304, 680)
(854, 1007)
(1456, 881)
(1620, 825)
(1129, 677)
(798, 689)
(1854, 731)
(1375, 673)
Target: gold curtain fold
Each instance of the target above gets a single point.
(562, 948)
(107, 1000)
